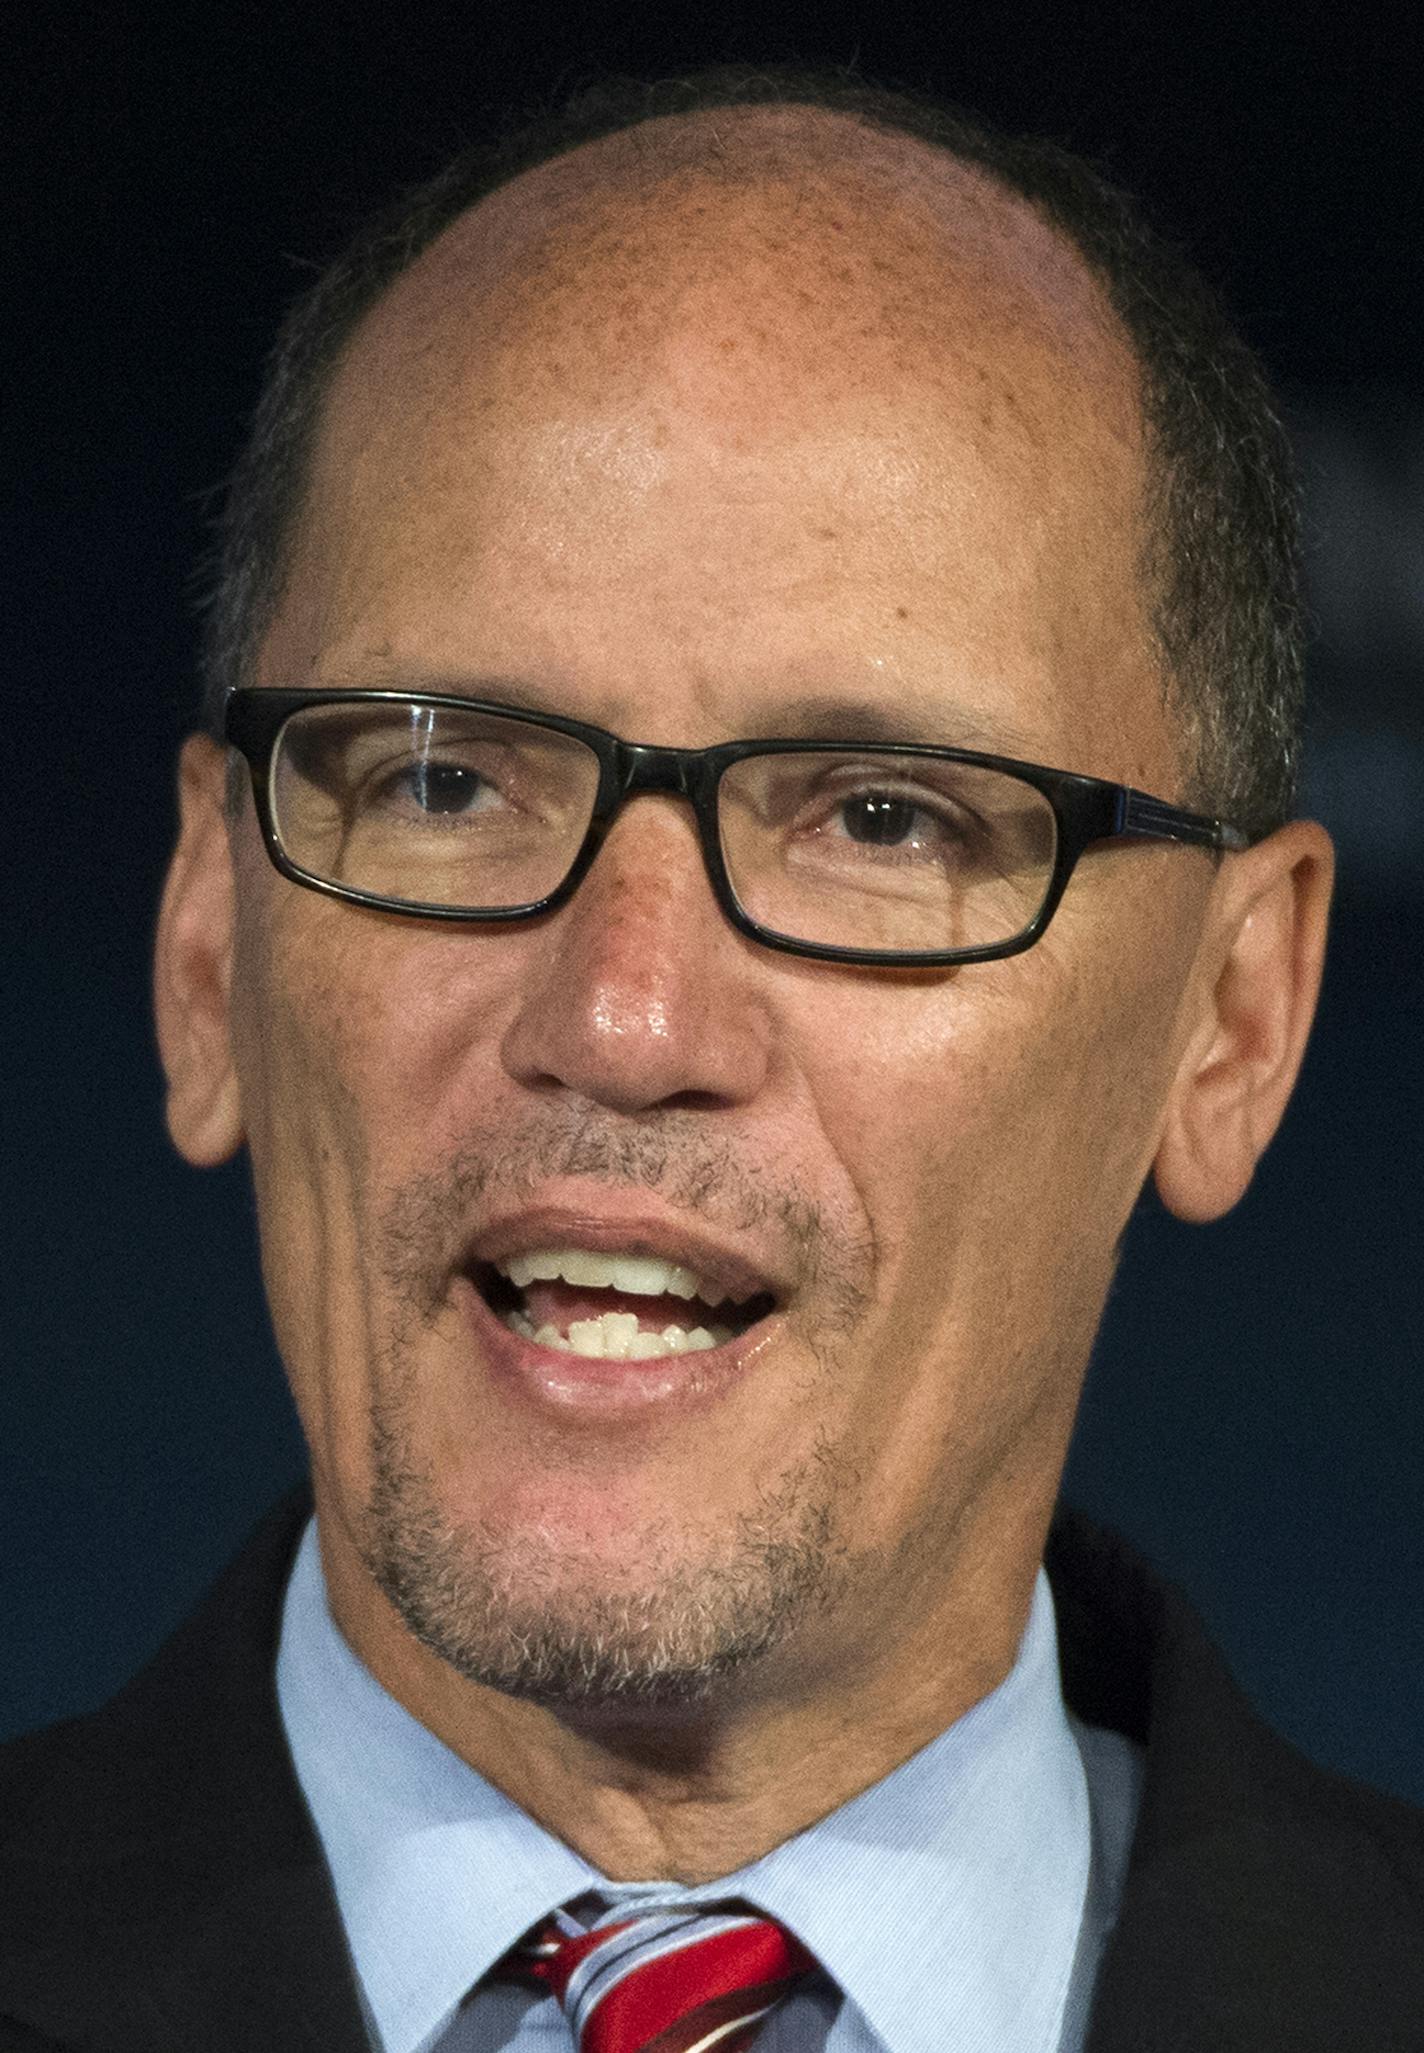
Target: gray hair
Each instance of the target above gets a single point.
(1220, 558)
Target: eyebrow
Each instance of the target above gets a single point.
(508, 691)
(916, 718)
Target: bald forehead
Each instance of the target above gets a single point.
(775, 224)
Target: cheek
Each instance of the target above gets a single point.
(338, 1047)
(997, 1129)
(996, 1143)
(359, 1034)
(307, 1156)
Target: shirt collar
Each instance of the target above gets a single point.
(945, 1900)
(967, 1869)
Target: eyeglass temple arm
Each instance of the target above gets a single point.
(1139, 814)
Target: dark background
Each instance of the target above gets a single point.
(1255, 1416)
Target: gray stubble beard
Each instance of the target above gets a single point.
(500, 1611)
(498, 1608)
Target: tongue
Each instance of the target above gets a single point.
(560, 1304)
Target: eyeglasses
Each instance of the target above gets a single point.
(451, 808)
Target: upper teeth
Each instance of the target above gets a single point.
(636, 1275)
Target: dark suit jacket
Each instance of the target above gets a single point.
(162, 1891)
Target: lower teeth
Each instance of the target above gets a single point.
(617, 1336)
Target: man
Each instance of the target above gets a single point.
(747, 809)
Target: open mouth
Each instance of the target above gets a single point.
(614, 1307)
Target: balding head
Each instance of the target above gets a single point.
(817, 199)
(754, 230)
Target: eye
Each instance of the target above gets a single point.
(883, 819)
(888, 823)
(436, 788)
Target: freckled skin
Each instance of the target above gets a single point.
(677, 433)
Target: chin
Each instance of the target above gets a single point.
(669, 1623)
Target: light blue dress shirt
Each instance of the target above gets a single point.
(958, 1906)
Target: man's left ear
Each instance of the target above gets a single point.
(1254, 990)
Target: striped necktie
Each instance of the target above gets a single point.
(683, 1981)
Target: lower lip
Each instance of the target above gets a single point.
(575, 1384)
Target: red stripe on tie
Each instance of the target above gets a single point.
(651, 1998)
(690, 1991)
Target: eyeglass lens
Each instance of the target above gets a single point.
(433, 805)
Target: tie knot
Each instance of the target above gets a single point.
(669, 1981)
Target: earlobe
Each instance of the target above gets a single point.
(193, 967)
(1253, 999)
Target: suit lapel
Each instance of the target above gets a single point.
(171, 1892)
(1269, 1907)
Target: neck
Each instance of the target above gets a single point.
(691, 1792)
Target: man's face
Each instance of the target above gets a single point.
(726, 462)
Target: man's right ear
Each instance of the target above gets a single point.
(193, 966)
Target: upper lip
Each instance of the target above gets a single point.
(605, 1226)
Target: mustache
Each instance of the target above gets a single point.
(426, 1225)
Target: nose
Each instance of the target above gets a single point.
(638, 993)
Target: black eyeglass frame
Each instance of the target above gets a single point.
(1087, 810)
